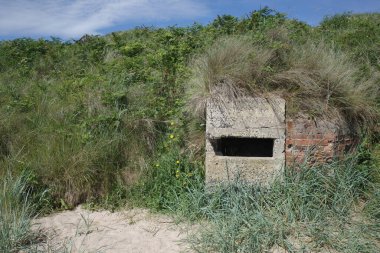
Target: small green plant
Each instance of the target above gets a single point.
(169, 178)
(372, 207)
(16, 212)
(133, 49)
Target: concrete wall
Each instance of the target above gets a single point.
(246, 117)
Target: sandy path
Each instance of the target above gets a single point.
(132, 231)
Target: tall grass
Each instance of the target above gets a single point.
(77, 139)
(227, 69)
(322, 80)
(306, 211)
(314, 77)
(16, 212)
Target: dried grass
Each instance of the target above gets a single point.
(227, 70)
(323, 82)
(314, 78)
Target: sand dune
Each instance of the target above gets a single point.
(133, 231)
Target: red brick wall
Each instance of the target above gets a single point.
(316, 141)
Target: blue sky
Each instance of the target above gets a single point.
(70, 19)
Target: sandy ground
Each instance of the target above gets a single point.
(135, 231)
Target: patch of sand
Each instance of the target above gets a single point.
(134, 230)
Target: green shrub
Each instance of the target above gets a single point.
(356, 34)
(168, 179)
(133, 49)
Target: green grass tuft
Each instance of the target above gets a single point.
(309, 210)
(16, 213)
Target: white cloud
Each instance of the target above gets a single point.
(73, 18)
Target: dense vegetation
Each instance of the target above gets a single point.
(110, 119)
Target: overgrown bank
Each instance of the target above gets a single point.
(103, 120)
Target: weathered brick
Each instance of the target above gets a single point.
(319, 140)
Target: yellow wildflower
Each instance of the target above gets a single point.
(177, 162)
(171, 136)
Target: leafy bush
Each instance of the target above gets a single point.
(170, 176)
(356, 34)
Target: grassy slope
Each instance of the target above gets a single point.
(86, 119)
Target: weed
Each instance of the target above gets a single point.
(16, 212)
(309, 209)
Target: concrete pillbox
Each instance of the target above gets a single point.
(245, 138)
